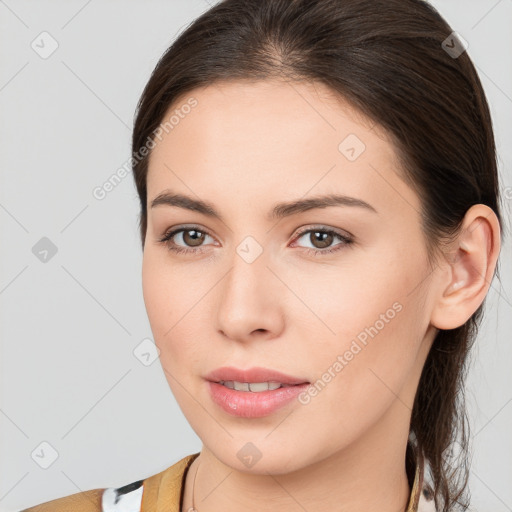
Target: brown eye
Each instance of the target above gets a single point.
(193, 237)
(321, 239)
(184, 240)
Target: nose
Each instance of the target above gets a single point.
(250, 300)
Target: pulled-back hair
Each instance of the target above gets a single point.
(391, 60)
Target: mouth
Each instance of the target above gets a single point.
(253, 400)
(254, 387)
(254, 392)
(255, 379)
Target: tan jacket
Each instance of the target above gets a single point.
(163, 493)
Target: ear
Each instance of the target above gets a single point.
(467, 276)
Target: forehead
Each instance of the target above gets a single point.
(244, 109)
(273, 138)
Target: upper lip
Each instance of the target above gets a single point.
(255, 374)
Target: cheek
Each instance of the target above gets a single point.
(153, 290)
(370, 322)
(338, 302)
(175, 307)
(165, 306)
(163, 298)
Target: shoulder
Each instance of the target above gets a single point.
(128, 498)
(88, 501)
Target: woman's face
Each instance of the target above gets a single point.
(337, 296)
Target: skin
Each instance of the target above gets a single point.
(243, 148)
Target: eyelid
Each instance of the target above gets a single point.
(170, 232)
(299, 233)
(322, 227)
(346, 237)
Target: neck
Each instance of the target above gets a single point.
(369, 474)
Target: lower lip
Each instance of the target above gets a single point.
(248, 404)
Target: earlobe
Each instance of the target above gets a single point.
(465, 280)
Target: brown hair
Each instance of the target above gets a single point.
(387, 58)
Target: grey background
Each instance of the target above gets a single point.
(69, 325)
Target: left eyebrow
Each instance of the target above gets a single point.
(278, 211)
(286, 209)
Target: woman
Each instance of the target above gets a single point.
(320, 224)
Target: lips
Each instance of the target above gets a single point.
(255, 374)
(250, 405)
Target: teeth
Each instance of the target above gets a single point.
(255, 387)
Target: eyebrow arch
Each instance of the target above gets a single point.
(278, 211)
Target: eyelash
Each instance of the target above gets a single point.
(347, 240)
